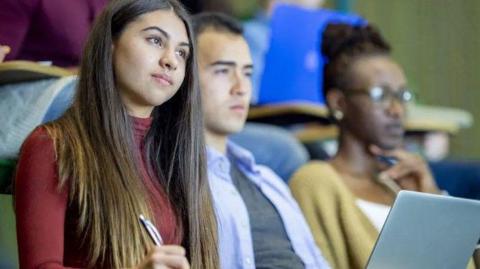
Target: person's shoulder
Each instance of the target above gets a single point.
(318, 170)
(37, 141)
(245, 157)
(268, 173)
(38, 136)
(315, 174)
(37, 161)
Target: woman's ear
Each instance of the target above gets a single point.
(336, 103)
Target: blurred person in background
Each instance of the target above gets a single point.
(40, 30)
(264, 139)
(51, 32)
(257, 34)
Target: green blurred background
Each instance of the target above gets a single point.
(436, 41)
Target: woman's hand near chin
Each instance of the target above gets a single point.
(410, 172)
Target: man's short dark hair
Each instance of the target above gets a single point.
(216, 21)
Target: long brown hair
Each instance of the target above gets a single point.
(95, 153)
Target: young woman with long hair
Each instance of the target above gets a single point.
(130, 144)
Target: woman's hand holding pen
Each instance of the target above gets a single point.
(410, 171)
(162, 256)
(165, 257)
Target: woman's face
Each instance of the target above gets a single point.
(375, 121)
(149, 60)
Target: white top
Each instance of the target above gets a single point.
(376, 213)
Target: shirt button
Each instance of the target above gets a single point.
(248, 261)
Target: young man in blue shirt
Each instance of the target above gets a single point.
(260, 224)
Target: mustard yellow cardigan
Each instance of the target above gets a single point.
(344, 234)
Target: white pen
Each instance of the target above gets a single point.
(151, 230)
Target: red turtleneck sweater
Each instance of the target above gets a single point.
(45, 222)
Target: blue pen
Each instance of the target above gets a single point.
(388, 160)
(151, 230)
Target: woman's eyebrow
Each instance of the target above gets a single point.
(184, 44)
(163, 32)
(158, 29)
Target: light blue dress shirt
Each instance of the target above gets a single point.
(235, 239)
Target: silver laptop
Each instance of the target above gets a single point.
(427, 231)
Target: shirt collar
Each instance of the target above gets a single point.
(235, 153)
(242, 157)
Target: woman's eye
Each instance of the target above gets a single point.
(155, 40)
(182, 53)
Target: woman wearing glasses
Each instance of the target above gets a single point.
(130, 145)
(346, 200)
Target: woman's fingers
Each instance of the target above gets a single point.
(170, 261)
(167, 256)
(410, 171)
(403, 168)
(4, 50)
(173, 249)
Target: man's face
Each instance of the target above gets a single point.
(225, 68)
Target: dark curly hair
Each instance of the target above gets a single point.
(343, 44)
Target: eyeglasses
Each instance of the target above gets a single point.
(383, 95)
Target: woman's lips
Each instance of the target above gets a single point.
(395, 129)
(163, 79)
